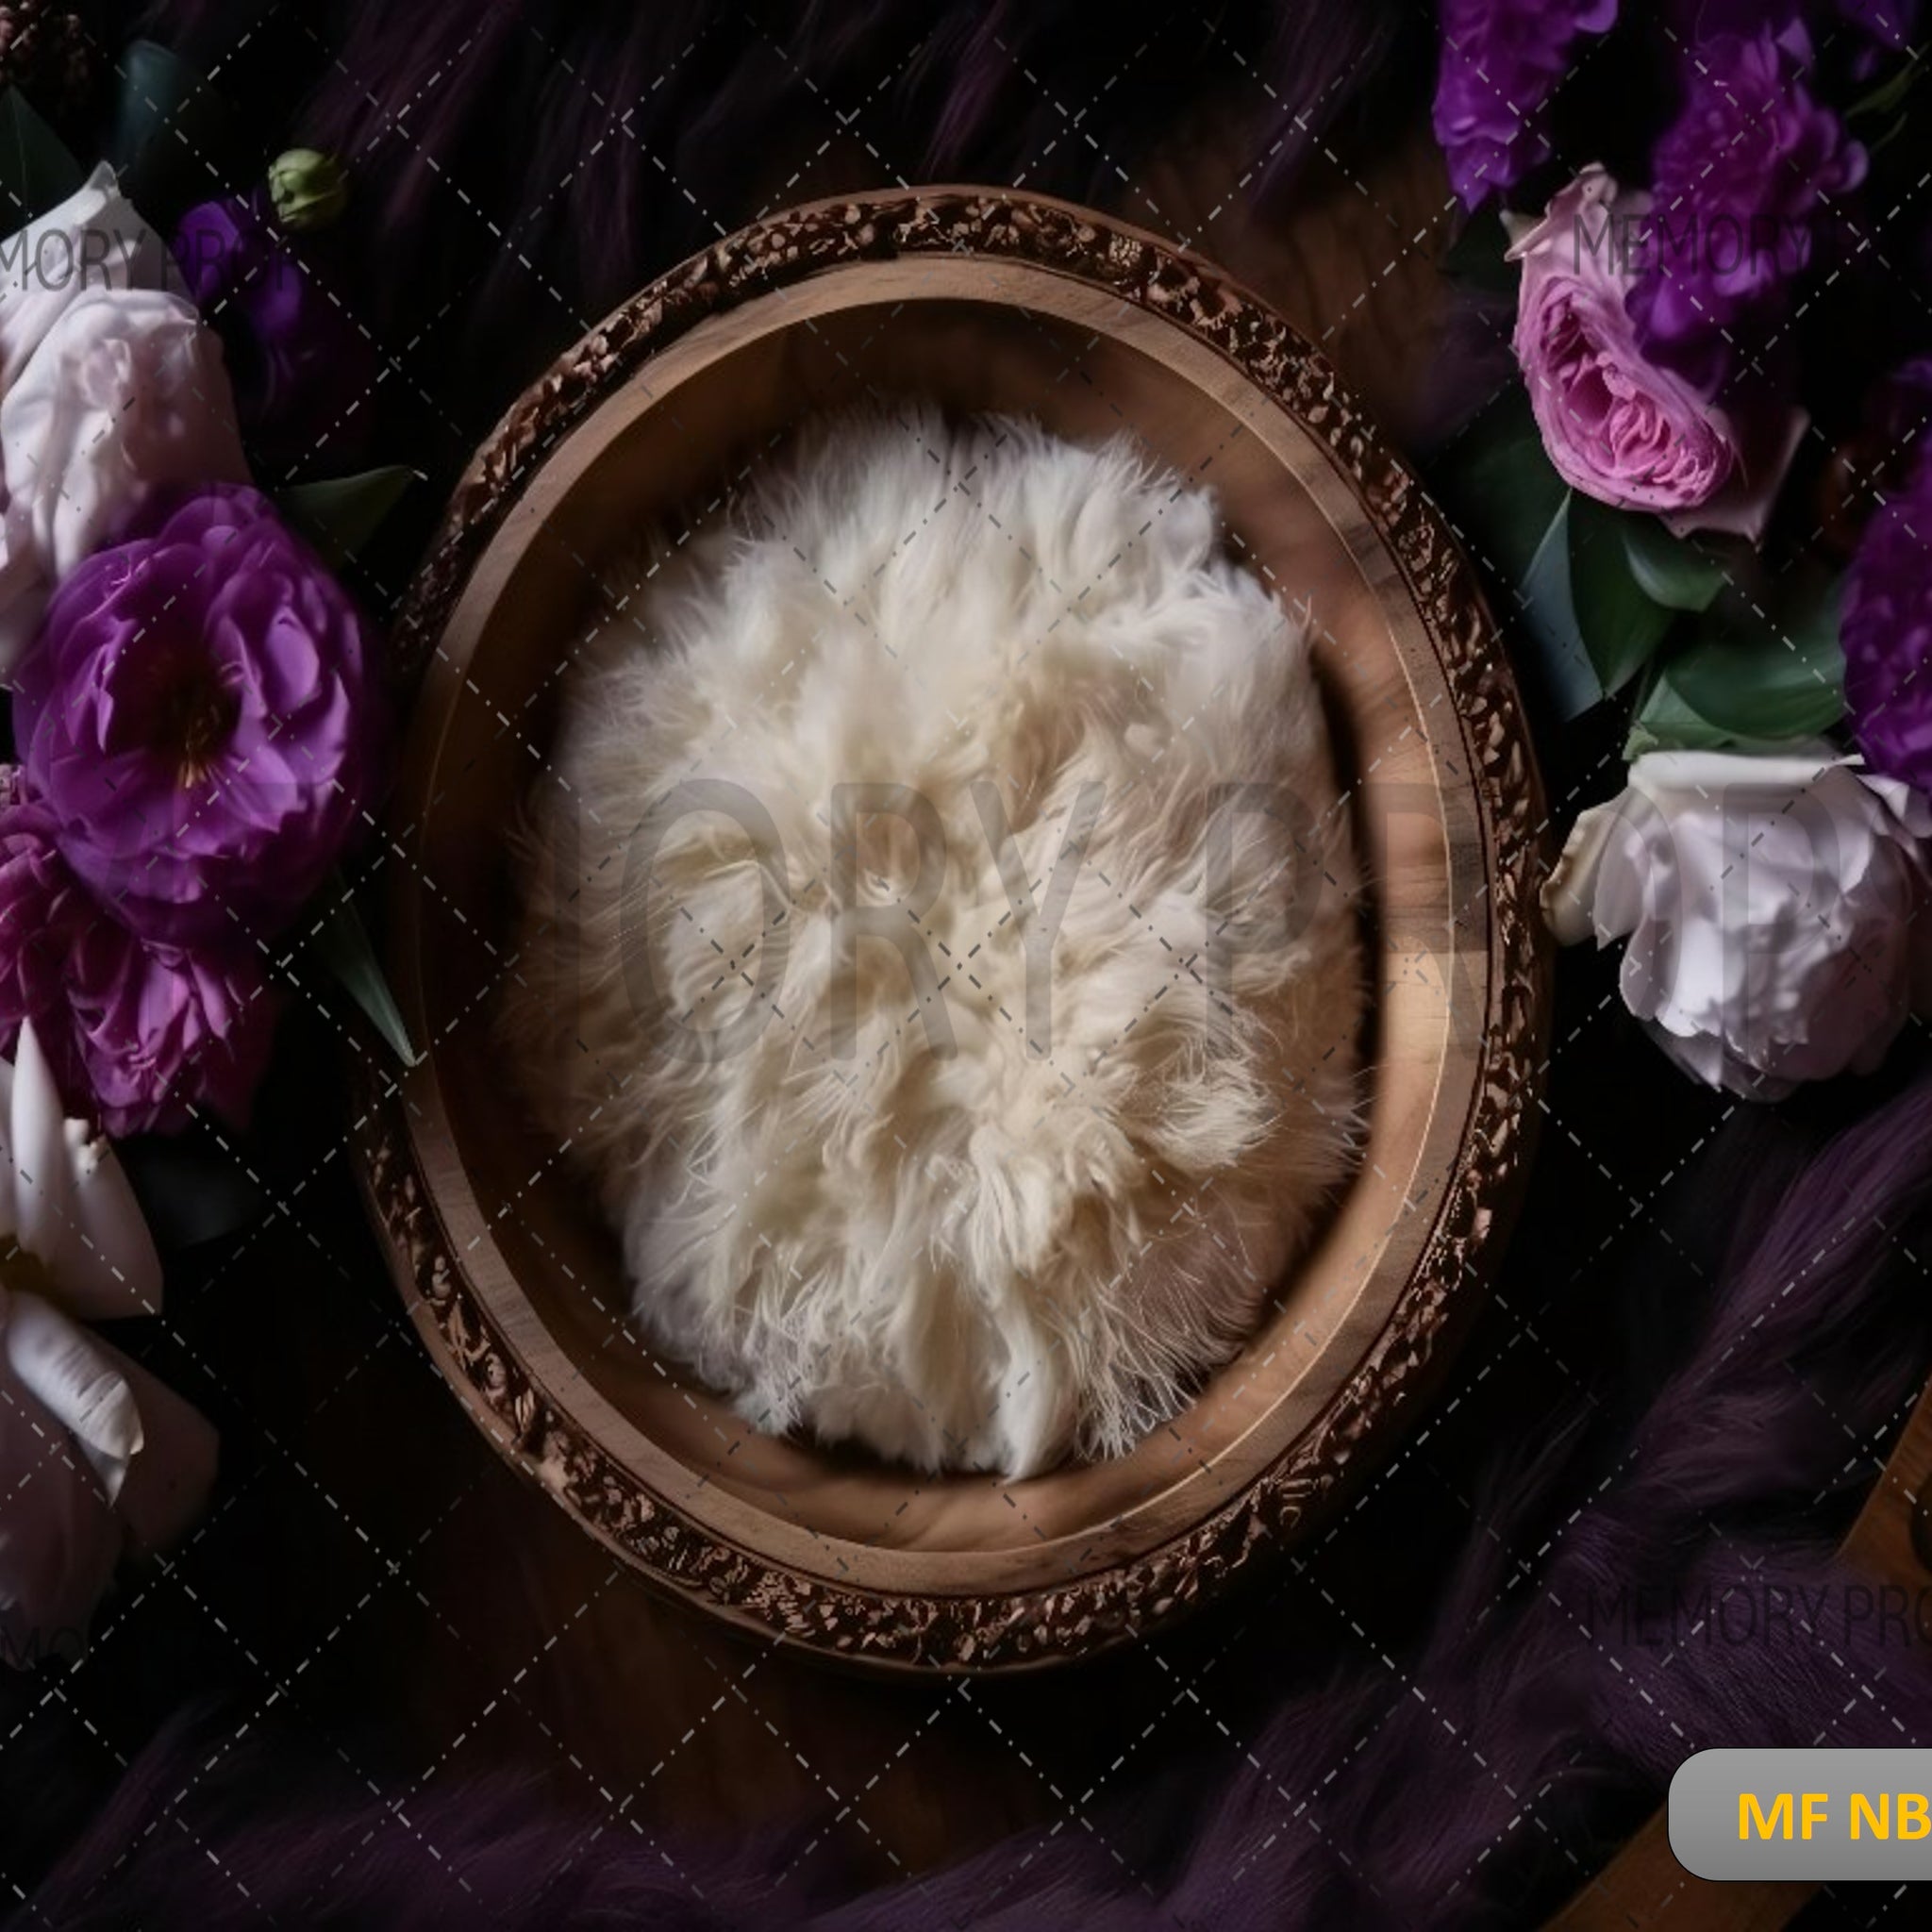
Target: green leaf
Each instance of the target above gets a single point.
(1889, 95)
(1478, 256)
(1499, 483)
(1663, 721)
(190, 1188)
(1773, 686)
(1668, 571)
(157, 86)
(1878, 145)
(342, 943)
(169, 128)
(1620, 624)
(340, 514)
(36, 170)
(1548, 613)
(1748, 682)
(1512, 510)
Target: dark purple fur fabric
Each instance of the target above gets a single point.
(1593, 1633)
(522, 165)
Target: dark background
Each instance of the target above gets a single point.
(374, 1589)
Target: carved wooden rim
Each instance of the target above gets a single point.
(994, 1631)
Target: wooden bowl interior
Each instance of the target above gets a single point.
(669, 446)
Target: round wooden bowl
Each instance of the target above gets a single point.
(981, 300)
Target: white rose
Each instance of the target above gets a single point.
(59, 1540)
(109, 385)
(96, 1456)
(95, 240)
(1768, 904)
(98, 1460)
(65, 1198)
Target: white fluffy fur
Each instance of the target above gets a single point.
(986, 1259)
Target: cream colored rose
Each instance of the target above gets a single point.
(110, 386)
(93, 240)
(97, 1458)
(65, 1200)
(1769, 905)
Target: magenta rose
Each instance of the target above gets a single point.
(138, 1035)
(1618, 426)
(160, 1032)
(43, 909)
(200, 714)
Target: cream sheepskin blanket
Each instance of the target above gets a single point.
(781, 1007)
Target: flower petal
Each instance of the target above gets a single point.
(79, 1381)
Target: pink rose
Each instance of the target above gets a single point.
(1618, 426)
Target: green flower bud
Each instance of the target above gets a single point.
(308, 189)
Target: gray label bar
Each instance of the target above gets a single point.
(1825, 1815)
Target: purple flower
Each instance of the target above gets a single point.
(1887, 633)
(1901, 402)
(1616, 426)
(1741, 180)
(137, 1034)
(201, 717)
(1501, 61)
(300, 368)
(44, 911)
(158, 1031)
(1885, 27)
(1890, 22)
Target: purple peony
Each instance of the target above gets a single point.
(160, 1031)
(44, 911)
(138, 1035)
(1887, 633)
(201, 717)
(1898, 410)
(302, 369)
(1740, 182)
(1501, 61)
